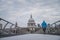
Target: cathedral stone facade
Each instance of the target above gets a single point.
(31, 24)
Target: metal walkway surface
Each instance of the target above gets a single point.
(32, 37)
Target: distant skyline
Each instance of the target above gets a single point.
(20, 10)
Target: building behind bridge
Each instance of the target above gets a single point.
(31, 28)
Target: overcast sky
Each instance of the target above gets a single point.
(20, 10)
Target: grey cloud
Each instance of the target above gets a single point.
(18, 10)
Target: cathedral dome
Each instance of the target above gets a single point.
(31, 22)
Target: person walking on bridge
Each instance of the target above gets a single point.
(44, 25)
